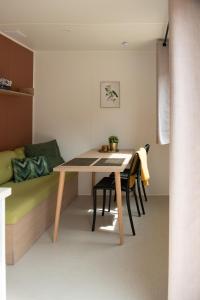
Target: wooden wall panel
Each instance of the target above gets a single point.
(16, 64)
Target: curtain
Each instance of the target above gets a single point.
(184, 233)
(163, 98)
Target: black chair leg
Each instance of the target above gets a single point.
(94, 209)
(145, 196)
(129, 211)
(140, 195)
(104, 202)
(136, 202)
(110, 197)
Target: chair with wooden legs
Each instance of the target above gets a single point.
(127, 185)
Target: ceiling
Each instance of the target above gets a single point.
(84, 24)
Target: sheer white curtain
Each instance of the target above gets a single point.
(163, 98)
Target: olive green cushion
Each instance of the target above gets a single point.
(6, 171)
(28, 194)
(19, 153)
(49, 149)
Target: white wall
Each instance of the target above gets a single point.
(67, 105)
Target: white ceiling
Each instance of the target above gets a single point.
(84, 24)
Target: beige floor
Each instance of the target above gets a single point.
(84, 265)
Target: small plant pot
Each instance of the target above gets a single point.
(113, 147)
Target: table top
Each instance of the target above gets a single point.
(95, 161)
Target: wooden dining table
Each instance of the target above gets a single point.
(94, 162)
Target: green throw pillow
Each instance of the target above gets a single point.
(29, 168)
(49, 149)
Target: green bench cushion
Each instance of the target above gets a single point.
(6, 170)
(28, 194)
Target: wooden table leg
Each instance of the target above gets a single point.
(93, 180)
(59, 204)
(119, 206)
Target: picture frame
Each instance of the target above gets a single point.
(110, 94)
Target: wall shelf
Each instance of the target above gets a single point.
(14, 93)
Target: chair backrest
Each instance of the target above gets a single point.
(134, 168)
(147, 147)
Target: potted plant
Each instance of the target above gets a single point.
(113, 142)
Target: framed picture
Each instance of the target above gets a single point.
(110, 94)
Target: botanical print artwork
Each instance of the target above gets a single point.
(110, 94)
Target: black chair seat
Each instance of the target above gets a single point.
(106, 183)
(124, 184)
(123, 174)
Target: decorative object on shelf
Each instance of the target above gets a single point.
(113, 143)
(104, 148)
(5, 84)
(110, 94)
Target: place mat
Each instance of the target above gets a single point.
(80, 162)
(110, 162)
